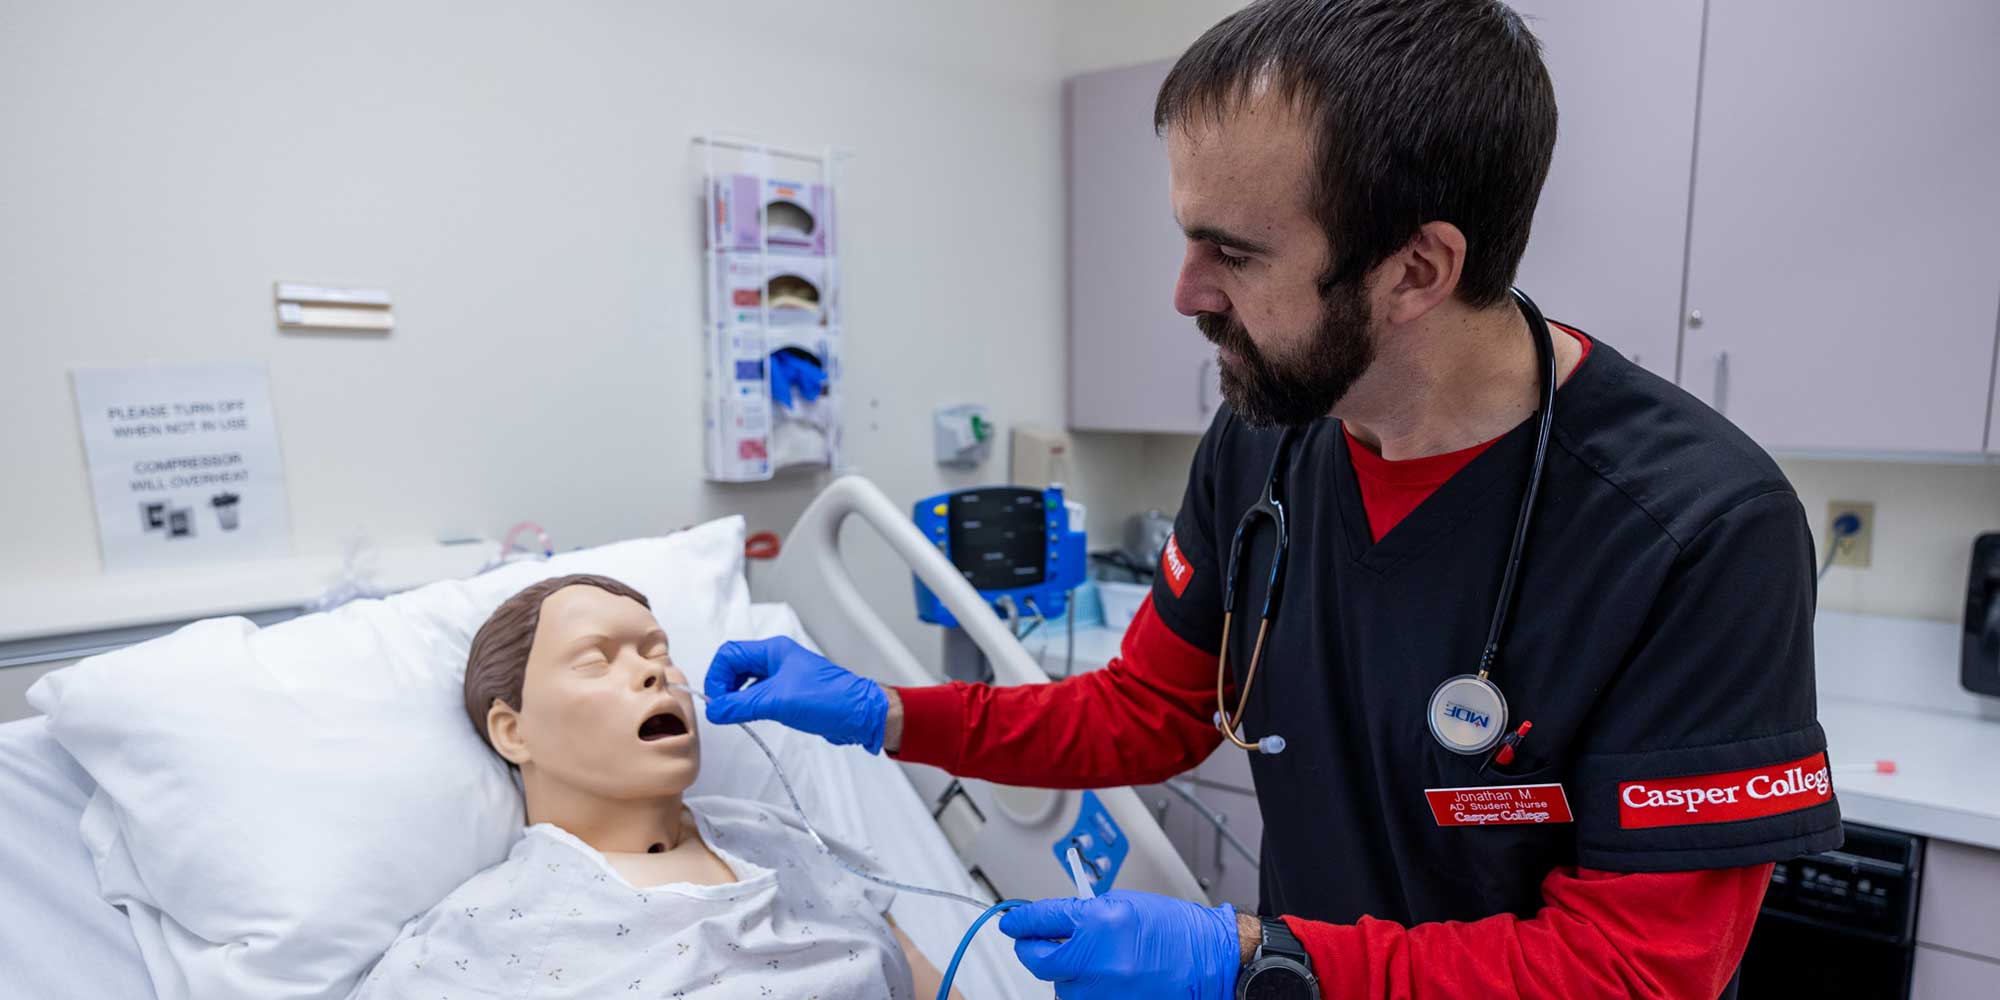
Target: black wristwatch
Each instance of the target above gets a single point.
(1279, 970)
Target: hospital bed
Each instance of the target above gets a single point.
(59, 938)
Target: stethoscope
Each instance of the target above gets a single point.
(1467, 712)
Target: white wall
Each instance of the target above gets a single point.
(1102, 34)
(1925, 519)
(519, 175)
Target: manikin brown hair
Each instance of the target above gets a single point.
(497, 664)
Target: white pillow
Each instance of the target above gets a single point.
(273, 804)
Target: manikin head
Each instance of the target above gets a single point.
(567, 681)
(1350, 174)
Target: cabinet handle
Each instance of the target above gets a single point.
(1201, 386)
(1694, 319)
(1224, 821)
(1720, 398)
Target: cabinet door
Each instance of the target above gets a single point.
(1847, 189)
(1134, 363)
(1947, 975)
(1611, 226)
(1993, 402)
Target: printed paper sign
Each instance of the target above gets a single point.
(184, 464)
(1499, 805)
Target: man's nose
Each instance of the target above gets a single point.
(1195, 291)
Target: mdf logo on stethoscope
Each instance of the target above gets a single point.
(1468, 714)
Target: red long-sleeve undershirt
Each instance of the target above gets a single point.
(1146, 717)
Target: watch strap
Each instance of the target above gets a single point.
(1279, 940)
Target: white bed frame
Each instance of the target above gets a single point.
(1008, 835)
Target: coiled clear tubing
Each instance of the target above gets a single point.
(786, 781)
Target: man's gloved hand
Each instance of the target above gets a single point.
(1128, 944)
(797, 687)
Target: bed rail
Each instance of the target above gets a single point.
(1007, 835)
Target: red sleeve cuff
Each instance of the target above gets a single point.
(1338, 953)
(1653, 935)
(933, 725)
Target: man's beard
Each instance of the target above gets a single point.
(1303, 385)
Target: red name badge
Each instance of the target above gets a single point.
(1499, 805)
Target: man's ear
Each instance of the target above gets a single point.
(503, 728)
(1424, 273)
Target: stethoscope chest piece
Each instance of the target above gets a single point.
(1468, 714)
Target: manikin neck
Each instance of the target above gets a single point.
(1456, 378)
(609, 826)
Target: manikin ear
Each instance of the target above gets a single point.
(1423, 274)
(503, 727)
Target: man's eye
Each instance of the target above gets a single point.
(1230, 260)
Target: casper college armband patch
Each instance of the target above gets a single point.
(1752, 793)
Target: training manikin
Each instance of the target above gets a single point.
(620, 886)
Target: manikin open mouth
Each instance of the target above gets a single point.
(665, 725)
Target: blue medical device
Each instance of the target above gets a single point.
(1008, 542)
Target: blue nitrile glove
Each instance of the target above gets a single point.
(792, 375)
(797, 687)
(1128, 944)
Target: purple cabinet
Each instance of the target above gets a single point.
(1843, 276)
(1134, 363)
(1606, 253)
(1786, 205)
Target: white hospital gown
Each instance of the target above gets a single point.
(555, 920)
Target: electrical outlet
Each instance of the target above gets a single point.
(1854, 550)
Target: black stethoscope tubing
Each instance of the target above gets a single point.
(1270, 505)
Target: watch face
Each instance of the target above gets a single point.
(1277, 982)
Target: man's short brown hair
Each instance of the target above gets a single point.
(1422, 110)
(497, 664)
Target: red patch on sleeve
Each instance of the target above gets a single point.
(1176, 567)
(1725, 797)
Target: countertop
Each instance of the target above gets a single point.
(1945, 785)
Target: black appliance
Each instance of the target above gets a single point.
(1979, 664)
(1840, 923)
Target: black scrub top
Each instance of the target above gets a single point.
(1661, 643)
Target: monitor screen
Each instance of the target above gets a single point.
(997, 537)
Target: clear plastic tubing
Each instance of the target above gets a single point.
(783, 779)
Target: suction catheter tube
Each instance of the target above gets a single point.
(987, 912)
(951, 971)
(786, 781)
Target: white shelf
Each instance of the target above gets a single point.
(44, 608)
